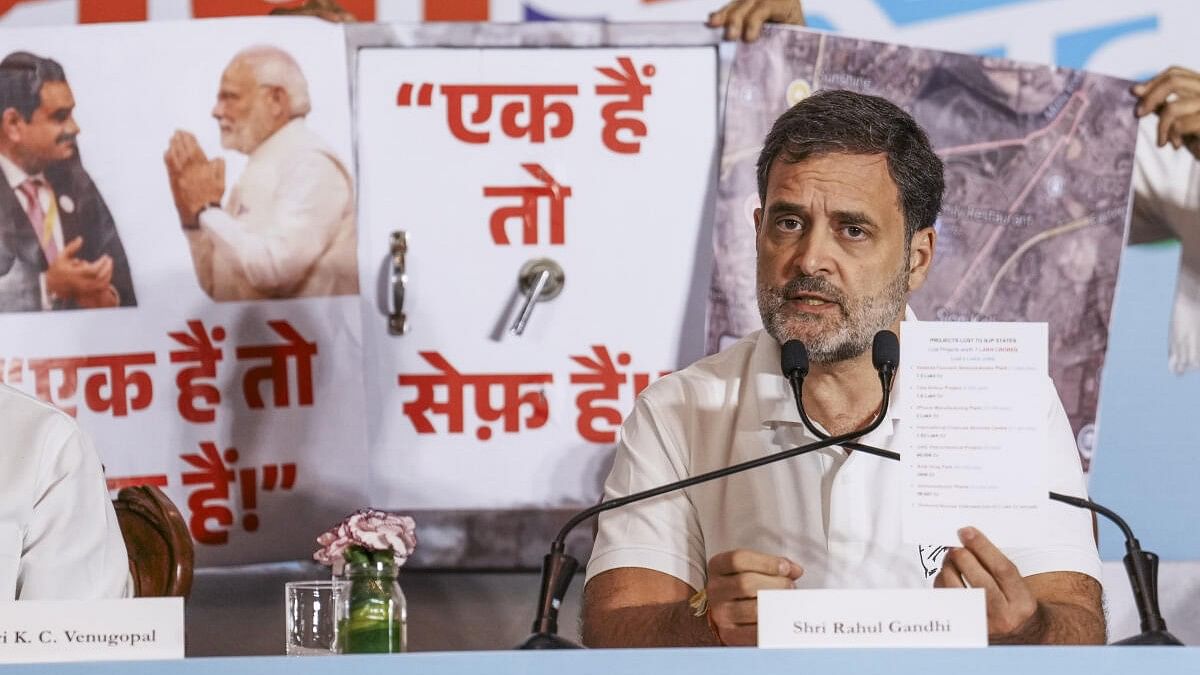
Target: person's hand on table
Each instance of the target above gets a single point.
(743, 19)
(1173, 95)
(734, 580)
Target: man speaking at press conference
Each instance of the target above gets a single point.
(850, 189)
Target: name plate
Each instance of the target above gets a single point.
(91, 630)
(925, 617)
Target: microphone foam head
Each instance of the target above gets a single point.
(793, 358)
(885, 350)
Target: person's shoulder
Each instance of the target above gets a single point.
(304, 151)
(300, 138)
(23, 415)
(711, 375)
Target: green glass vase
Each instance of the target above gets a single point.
(378, 615)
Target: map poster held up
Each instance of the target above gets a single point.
(1038, 169)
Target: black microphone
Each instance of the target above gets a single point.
(1141, 566)
(885, 356)
(885, 353)
(793, 360)
(558, 567)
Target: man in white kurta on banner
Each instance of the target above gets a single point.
(286, 229)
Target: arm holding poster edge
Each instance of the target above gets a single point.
(1174, 96)
(1164, 188)
(743, 19)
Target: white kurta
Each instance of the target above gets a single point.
(59, 537)
(1166, 204)
(287, 229)
(835, 514)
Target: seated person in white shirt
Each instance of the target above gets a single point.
(851, 189)
(287, 227)
(59, 537)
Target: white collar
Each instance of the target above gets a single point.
(279, 137)
(14, 174)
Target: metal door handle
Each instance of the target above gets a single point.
(397, 320)
(540, 279)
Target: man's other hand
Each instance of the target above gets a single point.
(1012, 608)
(69, 278)
(743, 19)
(734, 580)
(1174, 95)
(106, 298)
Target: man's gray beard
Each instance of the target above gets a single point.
(860, 322)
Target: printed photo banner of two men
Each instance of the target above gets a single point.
(233, 376)
(156, 177)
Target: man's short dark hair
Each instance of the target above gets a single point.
(838, 121)
(21, 78)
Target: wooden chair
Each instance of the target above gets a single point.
(161, 557)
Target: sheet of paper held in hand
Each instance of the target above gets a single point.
(972, 435)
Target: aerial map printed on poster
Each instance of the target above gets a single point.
(1038, 167)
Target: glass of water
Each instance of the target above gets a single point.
(316, 612)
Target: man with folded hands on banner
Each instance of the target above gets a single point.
(287, 227)
(850, 189)
(59, 247)
(59, 538)
(1166, 173)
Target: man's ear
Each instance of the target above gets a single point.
(920, 256)
(10, 121)
(280, 101)
(757, 220)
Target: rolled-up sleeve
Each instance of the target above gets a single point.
(661, 533)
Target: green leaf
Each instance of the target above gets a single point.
(357, 555)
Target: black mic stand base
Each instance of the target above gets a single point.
(557, 570)
(1151, 637)
(548, 641)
